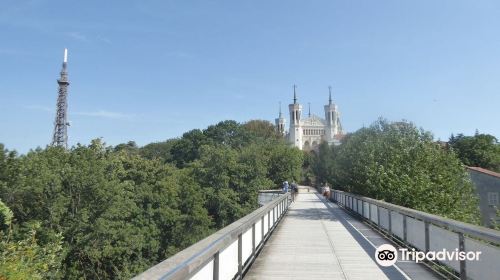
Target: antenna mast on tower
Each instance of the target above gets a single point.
(60, 137)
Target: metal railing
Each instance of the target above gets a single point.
(266, 196)
(226, 254)
(427, 232)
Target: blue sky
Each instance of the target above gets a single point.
(151, 70)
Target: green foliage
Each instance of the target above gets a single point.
(119, 213)
(5, 216)
(187, 148)
(495, 224)
(129, 147)
(482, 150)
(112, 212)
(400, 164)
(261, 128)
(159, 150)
(21, 257)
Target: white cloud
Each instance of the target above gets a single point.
(77, 36)
(106, 114)
(104, 39)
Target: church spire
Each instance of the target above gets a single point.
(280, 115)
(309, 104)
(294, 94)
(330, 91)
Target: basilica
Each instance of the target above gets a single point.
(308, 132)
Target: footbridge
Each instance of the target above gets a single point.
(315, 237)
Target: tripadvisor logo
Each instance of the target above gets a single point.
(387, 255)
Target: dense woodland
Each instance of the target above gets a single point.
(481, 150)
(99, 212)
(103, 212)
(402, 164)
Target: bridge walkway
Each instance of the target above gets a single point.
(319, 240)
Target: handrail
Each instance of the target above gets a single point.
(479, 232)
(271, 191)
(466, 236)
(191, 260)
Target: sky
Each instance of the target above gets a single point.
(148, 71)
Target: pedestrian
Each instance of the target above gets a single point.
(326, 192)
(295, 190)
(285, 187)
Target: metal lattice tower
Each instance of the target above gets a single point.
(60, 137)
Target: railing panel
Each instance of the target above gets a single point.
(206, 273)
(397, 224)
(359, 206)
(246, 248)
(258, 232)
(366, 207)
(384, 218)
(228, 261)
(415, 233)
(440, 239)
(223, 253)
(425, 231)
(488, 266)
(373, 213)
(266, 224)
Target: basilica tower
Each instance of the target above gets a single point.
(295, 132)
(280, 123)
(332, 118)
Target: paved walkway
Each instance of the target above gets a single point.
(318, 240)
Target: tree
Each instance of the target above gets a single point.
(119, 213)
(401, 164)
(227, 133)
(21, 256)
(323, 163)
(482, 150)
(130, 147)
(116, 211)
(159, 150)
(187, 148)
(261, 128)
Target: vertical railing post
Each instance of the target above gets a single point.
(363, 208)
(427, 236)
(461, 248)
(268, 222)
(240, 256)
(216, 266)
(405, 230)
(253, 240)
(262, 230)
(274, 216)
(369, 212)
(378, 216)
(390, 220)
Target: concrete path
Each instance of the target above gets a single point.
(316, 240)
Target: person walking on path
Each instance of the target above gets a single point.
(285, 187)
(326, 191)
(295, 190)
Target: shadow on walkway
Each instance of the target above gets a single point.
(343, 217)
